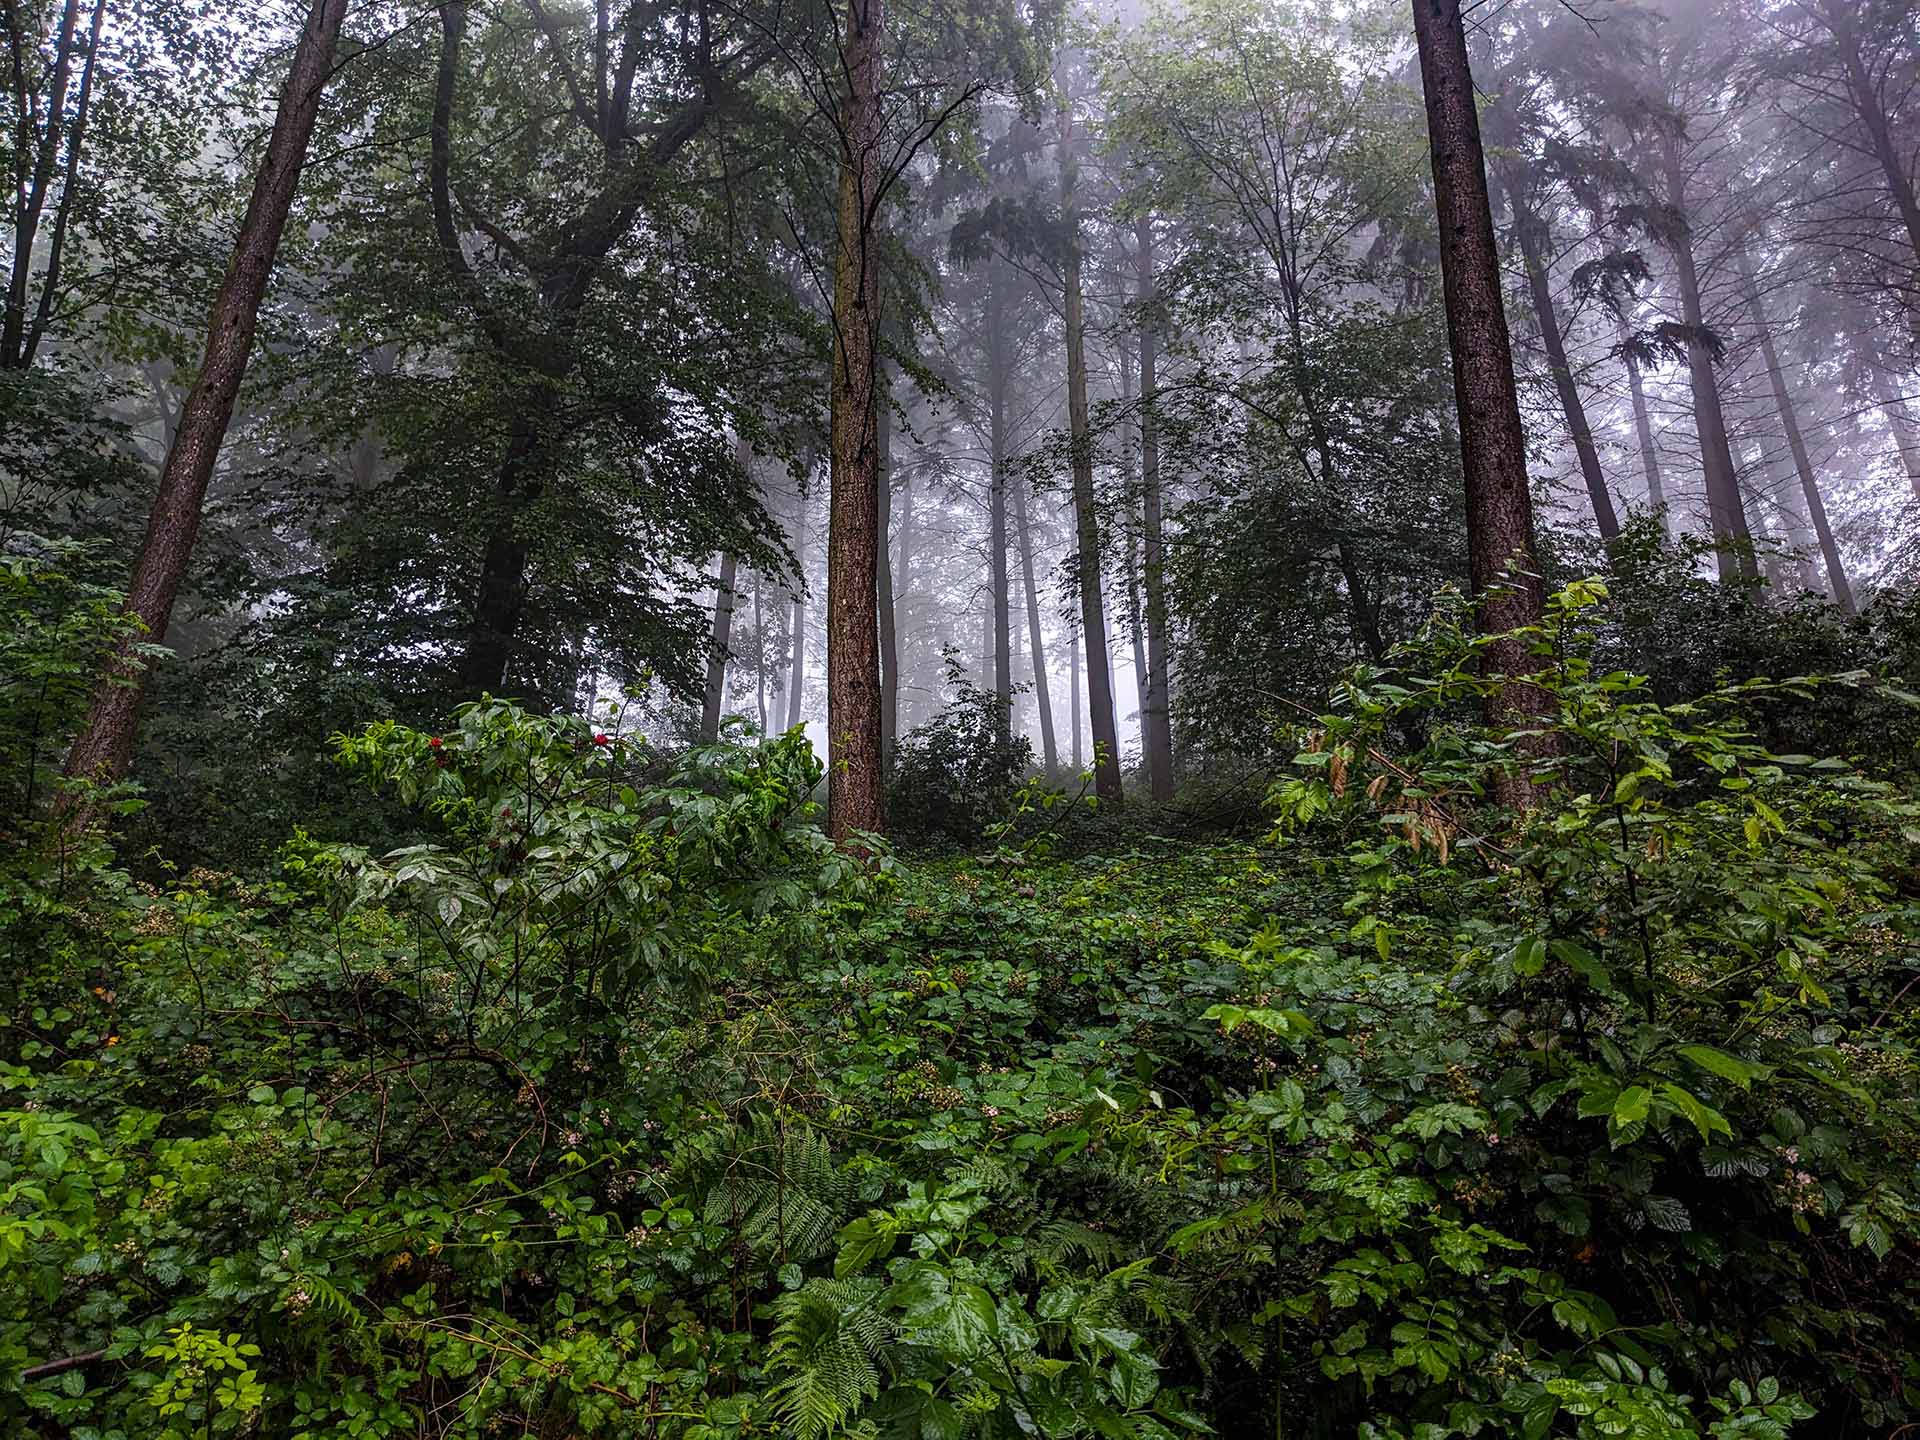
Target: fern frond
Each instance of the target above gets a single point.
(825, 1349)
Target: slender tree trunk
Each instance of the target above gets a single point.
(104, 747)
(1893, 404)
(1643, 437)
(1073, 698)
(1726, 509)
(19, 339)
(715, 698)
(1156, 717)
(759, 654)
(1042, 691)
(1093, 619)
(903, 572)
(1531, 232)
(1000, 621)
(1500, 541)
(1785, 483)
(1837, 584)
(889, 621)
(1868, 106)
(1136, 621)
(797, 660)
(30, 197)
(855, 797)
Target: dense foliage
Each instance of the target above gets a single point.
(970, 721)
(621, 1103)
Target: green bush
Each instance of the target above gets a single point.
(621, 1108)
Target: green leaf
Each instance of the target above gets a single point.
(1530, 957)
(1728, 1067)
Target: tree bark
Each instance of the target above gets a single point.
(1837, 584)
(855, 798)
(1500, 540)
(1073, 698)
(1643, 437)
(1001, 625)
(759, 655)
(1042, 691)
(889, 622)
(1129, 490)
(1873, 115)
(19, 338)
(797, 660)
(1093, 619)
(1726, 509)
(715, 697)
(1156, 718)
(1531, 231)
(104, 746)
(904, 583)
(30, 198)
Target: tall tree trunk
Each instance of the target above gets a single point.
(1785, 483)
(1726, 509)
(715, 697)
(1073, 697)
(1000, 627)
(30, 194)
(759, 654)
(1532, 233)
(1156, 717)
(855, 797)
(1042, 691)
(104, 746)
(1136, 621)
(19, 339)
(903, 573)
(1893, 404)
(1837, 584)
(1643, 437)
(1093, 619)
(1872, 111)
(1500, 541)
(797, 660)
(889, 622)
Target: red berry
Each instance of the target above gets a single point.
(601, 740)
(434, 743)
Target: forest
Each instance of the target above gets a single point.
(960, 720)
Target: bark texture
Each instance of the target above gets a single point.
(715, 696)
(1500, 541)
(999, 378)
(883, 579)
(1156, 708)
(104, 747)
(1093, 618)
(855, 798)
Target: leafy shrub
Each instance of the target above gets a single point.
(645, 1114)
(953, 777)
